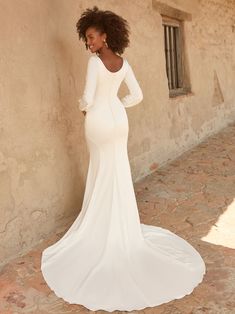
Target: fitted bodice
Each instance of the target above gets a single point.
(102, 85)
(108, 82)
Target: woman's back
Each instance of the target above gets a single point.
(102, 85)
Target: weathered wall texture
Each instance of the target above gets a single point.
(43, 154)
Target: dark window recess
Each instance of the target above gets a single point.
(173, 56)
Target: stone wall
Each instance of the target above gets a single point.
(43, 154)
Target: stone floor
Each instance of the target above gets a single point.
(193, 196)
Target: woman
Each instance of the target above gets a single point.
(107, 259)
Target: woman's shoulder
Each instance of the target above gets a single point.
(96, 57)
(92, 61)
(92, 58)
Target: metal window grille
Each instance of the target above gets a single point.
(172, 45)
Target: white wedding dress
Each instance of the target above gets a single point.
(107, 259)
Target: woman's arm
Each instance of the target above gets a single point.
(136, 95)
(86, 101)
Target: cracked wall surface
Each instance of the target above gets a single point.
(43, 154)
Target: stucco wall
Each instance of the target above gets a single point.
(43, 154)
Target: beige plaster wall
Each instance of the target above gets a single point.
(43, 154)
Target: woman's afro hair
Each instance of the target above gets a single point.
(116, 28)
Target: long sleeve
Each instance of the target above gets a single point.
(86, 101)
(136, 95)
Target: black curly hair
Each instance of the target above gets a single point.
(116, 28)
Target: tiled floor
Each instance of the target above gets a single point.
(194, 196)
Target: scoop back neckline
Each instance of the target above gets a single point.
(108, 69)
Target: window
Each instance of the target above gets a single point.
(174, 56)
